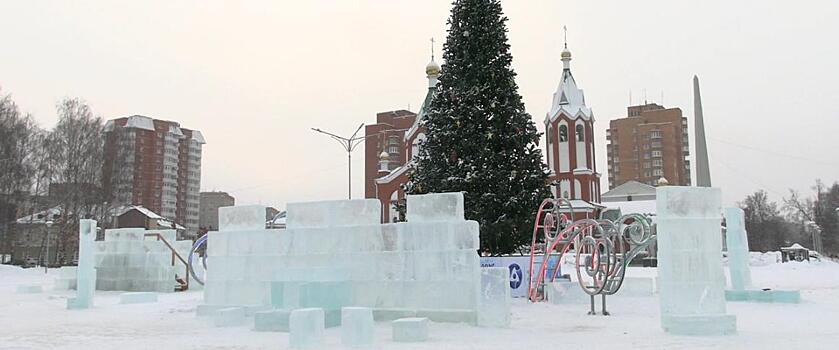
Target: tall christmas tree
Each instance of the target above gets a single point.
(480, 140)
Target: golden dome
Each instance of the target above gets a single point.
(432, 68)
(566, 54)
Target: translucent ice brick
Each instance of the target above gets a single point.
(333, 213)
(738, 249)
(435, 207)
(86, 273)
(637, 287)
(306, 327)
(326, 295)
(356, 212)
(271, 321)
(691, 279)
(357, 326)
(494, 298)
(412, 329)
(229, 317)
(241, 218)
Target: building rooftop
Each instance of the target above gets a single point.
(630, 188)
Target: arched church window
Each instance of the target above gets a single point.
(550, 135)
(581, 136)
(563, 133)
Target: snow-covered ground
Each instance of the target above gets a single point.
(40, 321)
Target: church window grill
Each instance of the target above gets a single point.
(563, 133)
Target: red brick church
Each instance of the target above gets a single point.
(393, 141)
(388, 154)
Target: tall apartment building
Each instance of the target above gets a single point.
(210, 202)
(649, 144)
(156, 164)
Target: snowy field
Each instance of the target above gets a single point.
(40, 321)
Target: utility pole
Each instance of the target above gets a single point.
(348, 144)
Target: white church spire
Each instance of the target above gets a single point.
(568, 98)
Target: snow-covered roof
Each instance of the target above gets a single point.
(140, 122)
(426, 104)
(646, 207)
(795, 246)
(41, 217)
(167, 223)
(278, 221)
(143, 210)
(161, 221)
(630, 188)
(174, 130)
(394, 173)
(197, 136)
(581, 204)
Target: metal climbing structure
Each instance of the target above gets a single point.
(602, 248)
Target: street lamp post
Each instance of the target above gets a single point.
(47, 255)
(349, 144)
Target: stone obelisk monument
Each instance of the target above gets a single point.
(703, 171)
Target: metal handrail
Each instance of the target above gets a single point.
(174, 255)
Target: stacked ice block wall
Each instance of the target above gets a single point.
(336, 253)
(691, 279)
(128, 261)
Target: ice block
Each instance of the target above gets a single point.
(494, 298)
(85, 273)
(738, 249)
(691, 279)
(410, 330)
(306, 327)
(357, 326)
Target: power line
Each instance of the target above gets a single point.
(774, 152)
(740, 174)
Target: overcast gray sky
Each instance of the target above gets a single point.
(255, 76)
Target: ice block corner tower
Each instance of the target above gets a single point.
(85, 273)
(691, 279)
(738, 249)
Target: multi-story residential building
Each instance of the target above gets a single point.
(156, 164)
(649, 144)
(210, 202)
(569, 132)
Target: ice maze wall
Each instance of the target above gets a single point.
(128, 261)
(337, 253)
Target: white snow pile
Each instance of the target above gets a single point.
(41, 321)
(759, 258)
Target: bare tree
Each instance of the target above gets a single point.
(766, 227)
(820, 211)
(17, 147)
(74, 154)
